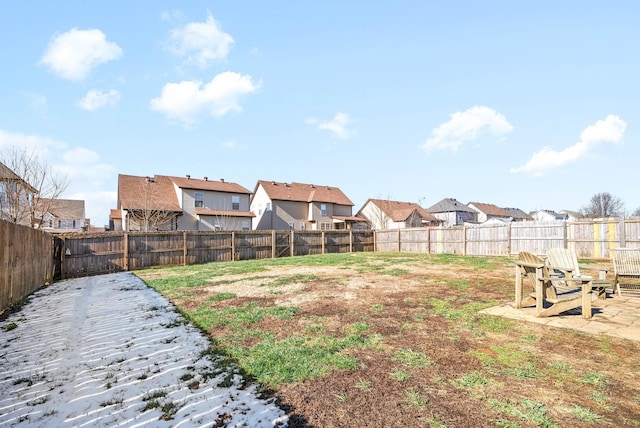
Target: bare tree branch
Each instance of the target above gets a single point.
(27, 200)
(603, 205)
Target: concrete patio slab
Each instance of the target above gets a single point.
(616, 316)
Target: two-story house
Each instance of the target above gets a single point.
(16, 197)
(61, 215)
(453, 213)
(549, 216)
(386, 214)
(488, 212)
(180, 203)
(299, 206)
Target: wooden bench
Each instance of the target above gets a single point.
(551, 294)
(626, 264)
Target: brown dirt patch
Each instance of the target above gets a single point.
(426, 306)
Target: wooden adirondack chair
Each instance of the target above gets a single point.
(564, 263)
(551, 294)
(626, 264)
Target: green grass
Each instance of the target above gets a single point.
(412, 358)
(500, 349)
(586, 415)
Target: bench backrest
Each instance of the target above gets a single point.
(563, 260)
(626, 261)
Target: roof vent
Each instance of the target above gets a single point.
(222, 180)
(206, 178)
(188, 176)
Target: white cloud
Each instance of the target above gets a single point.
(201, 42)
(230, 144)
(96, 99)
(466, 126)
(30, 143)
(338, 125)
(185, 100)
(609, 130)
(72, 55)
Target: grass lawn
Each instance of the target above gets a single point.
(389, 339)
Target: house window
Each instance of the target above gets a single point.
(268, 207)
(246, 224)
(326, 226)
(199, 199)
(235, 202)
(323, 209)
(302, 225)
(291, 225)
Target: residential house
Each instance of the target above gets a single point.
(16, 197)
(548, 216)
(489, 211)
(180, 203)
(572, 215)
(299, 206)
(386, 214)
(518, 215)
(453, 213)
(61, 215)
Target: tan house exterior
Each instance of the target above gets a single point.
(299, 206)
(386, 214)
(489, 211)
(180, 203)
(16, 197)
(62, 215)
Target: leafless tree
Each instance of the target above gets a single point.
(146, 208)
(603, 205)
(31, 190)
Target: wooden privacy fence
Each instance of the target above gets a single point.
(91, 254)
(589, 238)
(26, 262)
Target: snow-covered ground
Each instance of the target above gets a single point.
(108, 351)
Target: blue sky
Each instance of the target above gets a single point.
(521, 104)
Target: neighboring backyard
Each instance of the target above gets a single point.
(396, 340)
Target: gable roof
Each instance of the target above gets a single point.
(210, 185)
(553, 214)
(400, 211)
(300, 192)
(140, 193)
(517, 213)
(6, 174)
(449, 205)
(66, 209)
(490, 209)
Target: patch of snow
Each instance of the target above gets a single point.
(109, 351)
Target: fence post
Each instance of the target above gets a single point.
(63, 263)
(375, 240)
(350, 241)
(322, 238)
(565, 241)
(509, 239)
(623, 237)
(125, 236)
(184, 248)
(464, 239)
(293, 238)
(233, 246)
(273, 244)
(399, 244)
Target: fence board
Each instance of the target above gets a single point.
(26, 262)
(114, 251)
